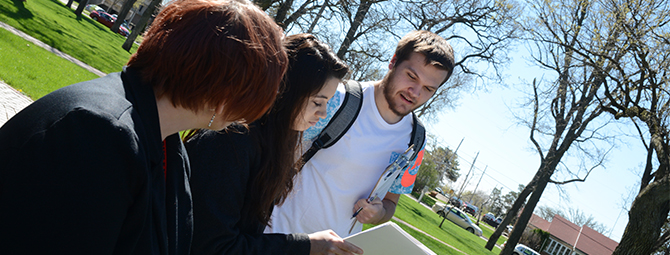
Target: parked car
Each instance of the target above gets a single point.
(457, 216)
(126, 25)
(508, 230)
(439, 190)
(108, 20)
(93, 7)
(491, 219)
(521, 249)
(471, 209)
(456, 202)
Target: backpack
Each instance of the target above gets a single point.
(345, 117)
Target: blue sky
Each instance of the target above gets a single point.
(485, 120)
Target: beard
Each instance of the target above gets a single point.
(388, 89)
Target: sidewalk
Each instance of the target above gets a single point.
(13, 101)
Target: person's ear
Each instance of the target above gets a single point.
(393, 61)
(219, 109)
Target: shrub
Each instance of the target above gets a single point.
(429, 201)
(534, 238)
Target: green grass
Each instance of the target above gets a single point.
(488, 230)
(34, 70)
(80, 37)
(431, 243)
(425, 219)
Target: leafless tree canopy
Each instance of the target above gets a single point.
(364, 33)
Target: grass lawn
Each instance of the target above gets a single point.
(488, 230)
(425, 219)
(54, 24)
(34, 70)
(433, 245)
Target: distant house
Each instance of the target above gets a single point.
(569, 239)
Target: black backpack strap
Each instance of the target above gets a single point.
(418, 136)
(341, 121)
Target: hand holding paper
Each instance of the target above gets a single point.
(327, 242)
(388, 238)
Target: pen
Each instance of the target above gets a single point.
(357, 211)
(361, 209)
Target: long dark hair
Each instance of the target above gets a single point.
(311, 64)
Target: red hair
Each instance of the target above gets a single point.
(206, 53)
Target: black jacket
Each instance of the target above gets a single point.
(225, 164)
(81, 173)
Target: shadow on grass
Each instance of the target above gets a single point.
(21, 12)
(416, 211)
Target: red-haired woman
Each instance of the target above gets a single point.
(98, 167)
(239, 175)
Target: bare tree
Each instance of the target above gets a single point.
(561, 32)
(481, 32)
(638, 90)
(287, 12)
(364, 32)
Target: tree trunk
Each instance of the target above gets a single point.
(646, 217)
(141, 24)
(80, 8)
(69, 3)
(281, 12)
(527, 212)
(127, 5)
(362, 11)
(510, 214)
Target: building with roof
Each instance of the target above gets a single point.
(569, 239)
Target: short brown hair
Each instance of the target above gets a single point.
(205, 53)
(437, 50)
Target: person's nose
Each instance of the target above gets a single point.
(321, 112)
(414, 90)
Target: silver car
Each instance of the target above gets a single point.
(457, 216)
(521, 249)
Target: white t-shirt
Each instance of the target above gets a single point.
(335, 178)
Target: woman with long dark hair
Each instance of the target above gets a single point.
(241, 173)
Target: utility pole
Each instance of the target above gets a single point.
(478, 213)
(466, 176)
(480, 180)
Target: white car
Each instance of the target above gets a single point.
(458, 217)
(521, 249)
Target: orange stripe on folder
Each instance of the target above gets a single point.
(407, 178)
